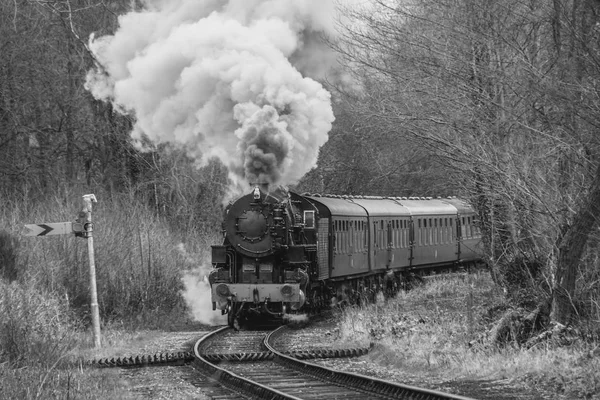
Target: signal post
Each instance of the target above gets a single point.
(81, 228)
(85, 218)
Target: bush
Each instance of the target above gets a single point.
(35, 328)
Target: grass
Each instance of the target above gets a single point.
(44, 296)
(60, 383)
(38, 338)
(434, 331)
(44, 348)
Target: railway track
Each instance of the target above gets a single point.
(249, 364)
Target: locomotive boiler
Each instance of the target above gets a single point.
(286, 253)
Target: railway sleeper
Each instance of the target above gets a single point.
(181, 358)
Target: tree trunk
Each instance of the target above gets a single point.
(570, 249)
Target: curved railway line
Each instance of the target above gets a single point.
(259, 365)
(248, 364)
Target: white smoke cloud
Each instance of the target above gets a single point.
(224, 79)
(197, 294)
(197, 297)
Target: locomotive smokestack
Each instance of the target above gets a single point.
(263, 186)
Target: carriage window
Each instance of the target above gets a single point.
(425, 223)
(309, 219)
(469, 229)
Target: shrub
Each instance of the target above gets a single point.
(35, 328)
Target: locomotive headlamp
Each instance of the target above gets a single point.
(287, 291)
(223, 290)
(256, 193)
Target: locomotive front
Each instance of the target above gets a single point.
(263, 265)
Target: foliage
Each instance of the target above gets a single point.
(429, 331)
(362, 157)
(35, 328)
(504, 96)
(35, 383)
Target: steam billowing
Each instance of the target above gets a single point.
(227, 79)
(224, 79)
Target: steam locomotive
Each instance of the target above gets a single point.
(285, 253)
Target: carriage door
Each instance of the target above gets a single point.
(390, 244)
(458, 236)
(323, 245)
(411, 241)
(374, 247)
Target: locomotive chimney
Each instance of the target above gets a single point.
(263, 186)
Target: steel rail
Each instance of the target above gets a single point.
(356, 381)
(232, 381)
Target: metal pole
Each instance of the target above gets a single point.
(87, 209)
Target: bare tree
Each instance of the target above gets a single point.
(504, 94)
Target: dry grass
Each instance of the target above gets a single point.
(431, 330)
(61, 383)
(38, 338)
(44, 306)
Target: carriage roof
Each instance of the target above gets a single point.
(361, 206)
(462, 206)
(337, 207)
(429, 207)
